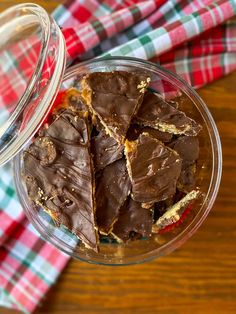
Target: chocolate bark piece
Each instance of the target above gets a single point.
(174, 213)
(105, 150)
(157, 113)
(135, 130)
(153, 168)
(58, 172)
(187, 147)
(112, 189)
(133, 219)
(114, 97)
(187, 178)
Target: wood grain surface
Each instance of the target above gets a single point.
(200, 277)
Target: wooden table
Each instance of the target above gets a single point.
(200, 277)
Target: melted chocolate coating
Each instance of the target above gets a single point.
(153, 168)
(133, 218)
(115, 98)
(187, 178)
(105, 150)
(113, 187)
(59, 175)
(44, 150)
(187, 147)
(135, 130)
(157, 113)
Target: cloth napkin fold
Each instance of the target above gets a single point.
(196, 39)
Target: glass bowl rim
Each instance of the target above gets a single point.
(213, 187)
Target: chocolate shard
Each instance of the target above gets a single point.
(135, 130)
(188, 149)
(105, 150)
(153, 169)
(59, 176)
(174, 213)
(114, 97)
(187, 178)
(133, 219)
(113, 188)
(157, 113)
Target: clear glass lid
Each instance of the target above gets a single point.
(32, 64)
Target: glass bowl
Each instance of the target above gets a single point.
(209, 167)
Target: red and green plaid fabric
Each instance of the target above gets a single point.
(174, 35)
(194, 38)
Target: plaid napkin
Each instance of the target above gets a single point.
(194, 38)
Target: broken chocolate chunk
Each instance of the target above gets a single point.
(105, 150)
(157, 113)
(113, 188)
(153, 169)
(63, 184)
(187, 147)
(114, 97)
(187, 178)
(174, 213)
(135, 130)
(133, 218)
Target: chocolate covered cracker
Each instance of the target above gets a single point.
(187, 178)
(105, 150)
(113, 188)
(59, 175)
(133, 220)
(157, 113)
(153, 169)
(188, 149)
(174, 212)
(114, 97)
